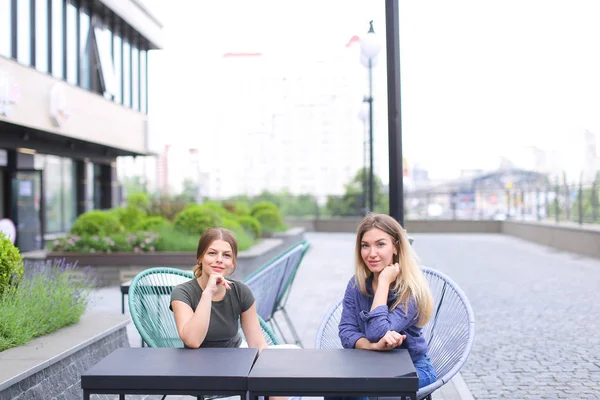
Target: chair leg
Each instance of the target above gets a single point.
(288, 320)
(277, 328)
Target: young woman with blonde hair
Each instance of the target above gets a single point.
(388, 301)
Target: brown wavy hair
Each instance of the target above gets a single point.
(410, 281)
(206, 240)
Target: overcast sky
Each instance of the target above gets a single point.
(480, 79)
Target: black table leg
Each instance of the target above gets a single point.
(86, 395)
(122, 303)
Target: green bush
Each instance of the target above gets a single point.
(233, 226)
(250, 225)
(239, 208)
(138, 242)
(50, 296)
(150, 224)
(96, 223)
(11, 265)
(263, 205)
(216, 208)
(128, 216)
(138, 200)
(270, 220)
(170, 239)
(163, 206)
(196, 220)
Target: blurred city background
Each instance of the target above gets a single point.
(283, 101)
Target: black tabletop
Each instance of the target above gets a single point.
(177, 369)
(333, 371)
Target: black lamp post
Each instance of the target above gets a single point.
(369, 49)
(392, 26)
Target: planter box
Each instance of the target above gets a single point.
(50, 366)
(116, 268)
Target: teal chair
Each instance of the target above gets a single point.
(271, 286)
(149, 300)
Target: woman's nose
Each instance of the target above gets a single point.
(372, 252)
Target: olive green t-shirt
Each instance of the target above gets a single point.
(223, 328)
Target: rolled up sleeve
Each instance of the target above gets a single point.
(349, 328)
(380, 320)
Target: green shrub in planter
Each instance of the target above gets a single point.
(233, 225)
(150, 224)
(138, 200)
(196, 220)
(128, 216)
(216, 208)
(96, 223)
(11, 265)
(239, 208)
(164, 206)
(263, 205)
(270, 220)
(250, 225)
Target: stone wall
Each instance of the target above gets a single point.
(50, 367)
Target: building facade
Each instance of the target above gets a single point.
(73, 98)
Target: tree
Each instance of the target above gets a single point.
(352, 202)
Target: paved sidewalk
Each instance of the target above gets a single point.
(536, 311)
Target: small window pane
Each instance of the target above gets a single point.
(57, 39)
(72, 44)
(117, 49)
(135, 77)
(126, 74)
(5, 28)
(24, 32)
(85, 67)
(143, 82)
(41, 35)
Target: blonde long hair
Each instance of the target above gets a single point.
(410, 280)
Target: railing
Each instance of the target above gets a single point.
(575, 203)
(578, 203)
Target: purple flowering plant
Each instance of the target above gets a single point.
(50, 296)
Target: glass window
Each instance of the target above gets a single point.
(117, 49)
(53, 191)
(135, 77)
(41, 35)
(85, 66)
(24, 32)
(89, 186)
(5, 28)
(69, 194)
(107, 71)
(143, 82)
(57, 38)
(72, 44)
(60, 195)
(126, 74)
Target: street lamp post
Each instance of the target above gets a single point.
(369, 49)
(363, 115)
(392, 27)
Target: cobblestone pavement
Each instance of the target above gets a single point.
(537, 315)
(536, 310)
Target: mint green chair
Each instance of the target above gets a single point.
(149, 300)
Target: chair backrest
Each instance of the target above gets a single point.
(450, 331)
(295, 257)
(267, 283)
(149, 300)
